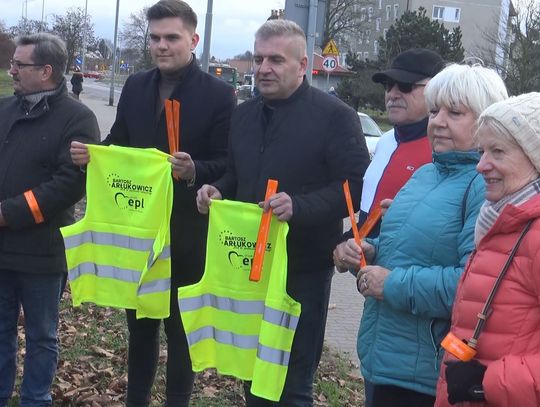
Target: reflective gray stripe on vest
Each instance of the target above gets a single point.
(280, 318)
(129, 276)
(271, 355)
(224, 337)
(109, 239)
(155, 286)
(270, 315)
(124, 275)
(221, 303)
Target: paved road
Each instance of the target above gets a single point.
(346, 304)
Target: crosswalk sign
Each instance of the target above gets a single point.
(331, 49)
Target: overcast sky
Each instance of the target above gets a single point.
(233, 25)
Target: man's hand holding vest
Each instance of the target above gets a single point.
(183, 166)
(79, 153)
(205, 196)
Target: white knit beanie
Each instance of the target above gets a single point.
(520, 116)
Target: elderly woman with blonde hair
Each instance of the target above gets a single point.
(426, 237)
(497, 306)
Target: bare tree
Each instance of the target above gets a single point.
(70, 28)
(246, 56)
(517, 56)
(25, 26)
(135, 35)
(344, 18)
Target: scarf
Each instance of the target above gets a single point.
(490, 211)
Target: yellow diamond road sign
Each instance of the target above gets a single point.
(331, 49)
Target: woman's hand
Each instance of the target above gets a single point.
(347, 255)
(370, 281)
(385, 204)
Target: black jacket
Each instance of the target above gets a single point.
(76, 82)
(206, 106)
(310, 142)
(34, 155)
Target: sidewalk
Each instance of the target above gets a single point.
(104, 113)
(346, 304)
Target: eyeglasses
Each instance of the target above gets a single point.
(19, 65)
(402, 86)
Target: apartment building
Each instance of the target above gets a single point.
(478, 19)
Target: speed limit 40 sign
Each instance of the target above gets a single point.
(329, 63)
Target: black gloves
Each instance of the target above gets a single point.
(464, 381)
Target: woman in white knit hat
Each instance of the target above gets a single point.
(493, 350)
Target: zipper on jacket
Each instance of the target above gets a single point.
(436, 348)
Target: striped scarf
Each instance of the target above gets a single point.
(490, 211)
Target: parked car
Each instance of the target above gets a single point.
(93, 74)
(245, 92)
(372, 132)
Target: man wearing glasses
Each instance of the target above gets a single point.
(405, 148)
(38, 187)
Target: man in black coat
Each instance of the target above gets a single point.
(310, 142)
(38, 187)
(206, 106)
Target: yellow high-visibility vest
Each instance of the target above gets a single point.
(118, 255)
(242, 328)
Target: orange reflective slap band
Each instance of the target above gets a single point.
(262, 236)
(176, 117)
(170, 124)
(371, 221)
(34, 207)
(354, 226)
(172, 116)
(455, 346)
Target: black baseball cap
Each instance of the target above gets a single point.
(411, 66)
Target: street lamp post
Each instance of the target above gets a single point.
(42, 14)
(207, 36)
(85, 29)
(111, 93)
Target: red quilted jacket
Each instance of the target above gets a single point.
(510, 343)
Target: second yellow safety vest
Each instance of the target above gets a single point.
(118, 255)
(242, 328)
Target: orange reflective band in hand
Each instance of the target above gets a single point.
(34, 207)
(172, 116)
(262, 236)
(369, 223)
(455, 346)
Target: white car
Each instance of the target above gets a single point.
(372, 132)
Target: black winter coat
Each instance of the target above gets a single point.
(310, 143)
(76, 82)
(206, 107)
(34, 155)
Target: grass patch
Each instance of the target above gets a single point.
(6, 84)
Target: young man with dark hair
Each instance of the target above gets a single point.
(206, 106)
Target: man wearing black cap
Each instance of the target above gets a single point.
(405, 148)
